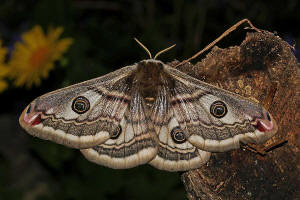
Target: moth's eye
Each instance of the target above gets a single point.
(178, 135)
(218, 109)
(116, 133)
(80, 105)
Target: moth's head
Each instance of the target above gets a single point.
(150, 66)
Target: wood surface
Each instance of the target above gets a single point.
(265, 69)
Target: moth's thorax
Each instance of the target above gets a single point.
(149, 77)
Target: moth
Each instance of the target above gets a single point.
(148, 112)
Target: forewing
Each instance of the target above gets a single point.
(191, 101)
(52, 116)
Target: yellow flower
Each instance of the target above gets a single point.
(34, 57)
(3, 68)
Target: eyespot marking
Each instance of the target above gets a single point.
(80, 105)
(116, 133)
(218, 109)
(178, 135)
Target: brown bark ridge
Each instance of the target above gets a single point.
(263, 68)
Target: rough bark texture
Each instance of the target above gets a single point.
(263, 68)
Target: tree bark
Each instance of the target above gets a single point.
(263, 68)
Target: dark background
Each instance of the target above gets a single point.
(103, 33)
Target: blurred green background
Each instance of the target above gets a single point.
(103, 32)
